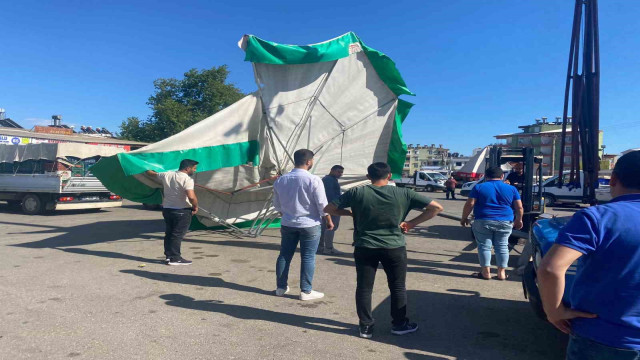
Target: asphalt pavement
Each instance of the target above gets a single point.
(91, 285)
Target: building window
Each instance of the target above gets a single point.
(524, 141)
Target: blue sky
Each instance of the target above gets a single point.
(479, 68)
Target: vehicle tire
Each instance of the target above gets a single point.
(549, 200)
(530, 287)
(429, 188)
(32, 204)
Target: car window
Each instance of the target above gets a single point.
(551, 182)
(423, 176)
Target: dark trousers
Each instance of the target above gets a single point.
(452, 191)
(585, 349)
(394, 262)
(177, 223)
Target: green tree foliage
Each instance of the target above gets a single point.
(178, 104)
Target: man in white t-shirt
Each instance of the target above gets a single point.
(179, 205)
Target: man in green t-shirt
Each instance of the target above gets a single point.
(379, 213)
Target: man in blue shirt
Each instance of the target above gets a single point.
(493, 203)
(332, 189)
(603, 316)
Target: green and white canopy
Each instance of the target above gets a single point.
(338, 98)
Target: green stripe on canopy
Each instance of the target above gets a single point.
(209, 158)
(115, 171)
(397, 148)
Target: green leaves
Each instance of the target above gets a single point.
(178, 104)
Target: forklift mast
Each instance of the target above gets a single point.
(497, 157)
(583, 87)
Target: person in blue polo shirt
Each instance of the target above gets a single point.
(497, 210)
(603, 317)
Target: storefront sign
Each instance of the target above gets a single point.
(52, 130)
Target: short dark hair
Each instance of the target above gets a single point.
(627, 170)
(300, 157)
(337, 167)
(187, 163)
(378, 171)
(494, 172)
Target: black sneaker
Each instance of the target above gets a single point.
(366, 331)
(407, 327)
(179, 261)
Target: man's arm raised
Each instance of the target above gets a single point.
(331, 209)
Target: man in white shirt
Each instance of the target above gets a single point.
(179, 204)
(299, 196)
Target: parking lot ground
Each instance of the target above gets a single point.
(91, 285)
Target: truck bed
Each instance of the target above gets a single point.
(49, 183)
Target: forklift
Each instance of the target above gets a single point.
(532, 202)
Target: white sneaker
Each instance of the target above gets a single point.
(313, 295)
(281, 292)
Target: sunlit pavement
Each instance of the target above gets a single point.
(92, 286)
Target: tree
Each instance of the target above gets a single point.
(178, 104)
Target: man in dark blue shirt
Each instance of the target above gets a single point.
(603, 317)
(332, 189)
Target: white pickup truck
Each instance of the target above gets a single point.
(41, 177)
(568, 194)
(552, 194)
(423, 180)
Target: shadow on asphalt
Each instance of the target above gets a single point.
(208, 281)
(111, 254)
(438, 267)
(5, 208)
(88, 234)
(465, 325)
(445, 232)
(235, 243)
(251, 313)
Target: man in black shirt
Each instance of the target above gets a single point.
(516, 177)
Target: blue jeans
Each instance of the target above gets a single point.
(309, 239)
(584, 349)
(496, 233)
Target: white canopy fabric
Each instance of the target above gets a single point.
(338, 98)
(47, 151)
